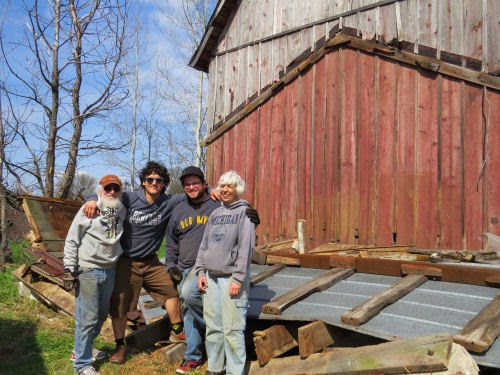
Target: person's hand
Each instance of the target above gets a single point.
(70, 280)
(234, 289)
(215, 195)
(90, 209)
(253, 215)
(202, 283)
(175, 274)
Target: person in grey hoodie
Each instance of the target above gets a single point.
(223, 270)
(91, 250)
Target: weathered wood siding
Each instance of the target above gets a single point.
(263, 37)
(370, 150)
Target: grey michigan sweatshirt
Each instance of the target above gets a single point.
(228, 243)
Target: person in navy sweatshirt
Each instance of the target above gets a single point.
(147, 213)
(184, 233)
(223, 270)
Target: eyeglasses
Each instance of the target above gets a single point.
(112, 187)
(150, 180)
(193, 184)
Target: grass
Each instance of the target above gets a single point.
(34, 339)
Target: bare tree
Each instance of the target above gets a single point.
(73, 51)
(189, 97)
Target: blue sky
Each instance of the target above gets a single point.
(156, 47)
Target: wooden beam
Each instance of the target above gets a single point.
(266, 273)
(481, 332)
(148, 335)
(418, 269)
(423, 354)
(282, 259)
(313, 338)
(272, 342)
(317, 284)
(367, 310)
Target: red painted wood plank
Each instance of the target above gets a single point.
(229, 150)
(332, 166)
(318, 180)
(367, 154)
(427, 160)
(304, 155)
(263, 171)
(492, 113)
(251, 156)
(405, 209)
(386, 134)
(239, 150)
(473, 159)
(348, 148)
(276, 175)
(218, 159)
(289, 182)
(450, 208)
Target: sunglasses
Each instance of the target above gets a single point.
(150, 180)
(112, 187)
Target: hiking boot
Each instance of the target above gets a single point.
(208, 372)
(119, 355)
(97, 355)
(187, 366)
(177, 337)
(89, 371)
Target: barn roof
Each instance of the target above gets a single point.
(201, 58)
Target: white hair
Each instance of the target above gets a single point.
(233, 178)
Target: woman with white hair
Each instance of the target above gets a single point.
(223, 269)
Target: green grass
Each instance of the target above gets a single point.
(36, 340)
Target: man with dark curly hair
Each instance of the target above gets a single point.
(147, 214)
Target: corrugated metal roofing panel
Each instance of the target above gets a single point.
(434, 307)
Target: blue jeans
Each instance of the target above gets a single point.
(192, 315)
(93, 295)
(225, 317)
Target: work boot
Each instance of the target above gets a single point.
(119, 355)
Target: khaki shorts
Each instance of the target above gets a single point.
(132, 274)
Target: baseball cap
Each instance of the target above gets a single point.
(110, 179)
(192, 171)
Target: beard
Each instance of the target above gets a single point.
(106, 202)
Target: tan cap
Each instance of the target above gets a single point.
(110, 179)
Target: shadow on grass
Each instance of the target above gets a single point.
(19, 350)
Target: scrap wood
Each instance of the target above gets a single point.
(456, 272)
(336, 247)
(277, 246)
(423, 354)
(266, 273)
(367, 310)
(317, 284)
(49, 259)
(481, 332)
(419, 269)
(272, 342)
(282, 259)
(313, 337)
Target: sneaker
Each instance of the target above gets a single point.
(188, 365)
(208, 372)
(119, 355)
(89, 371)
(177, 337)
(97, 355)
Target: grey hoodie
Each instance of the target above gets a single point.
(228, 243)
(94, 243)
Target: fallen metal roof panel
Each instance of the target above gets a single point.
(434, 307)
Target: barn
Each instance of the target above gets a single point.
(376, 122)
